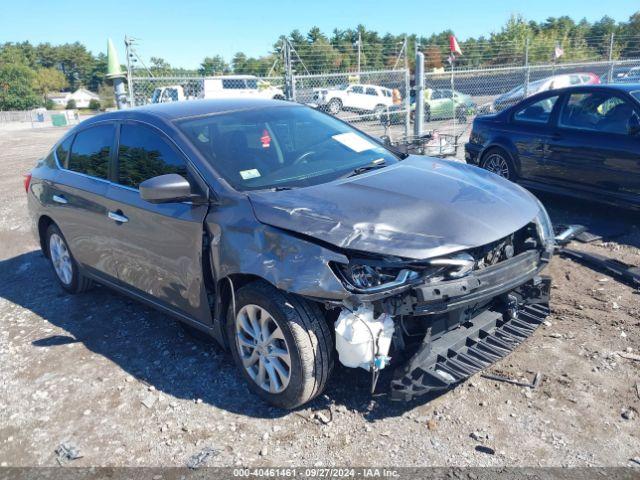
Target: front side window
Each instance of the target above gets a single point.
(286, 146)
(538, 112)
(372, 91)
(144, 154)
(597, 111)
(91, 151)
(252, 83)
(357, 89)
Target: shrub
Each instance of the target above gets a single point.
(94, 104)
(49, 104)
(71, 104)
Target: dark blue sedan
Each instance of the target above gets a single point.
(579, 141)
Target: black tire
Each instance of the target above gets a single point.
(308, 339)
(78, 283)
(461, 114)
(492, 155)
(334, 106)
(379, 111)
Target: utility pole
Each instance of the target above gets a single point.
(127, 47)
(114, 73)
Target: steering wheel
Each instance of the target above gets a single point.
(302, 157)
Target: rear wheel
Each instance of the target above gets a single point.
(281, 343)
(497, 161)
(63, 263)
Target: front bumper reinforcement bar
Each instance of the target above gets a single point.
(486, 338)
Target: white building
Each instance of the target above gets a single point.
(82, 97)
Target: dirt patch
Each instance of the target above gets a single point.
(120, 384)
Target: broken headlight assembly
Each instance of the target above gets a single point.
(372, 275)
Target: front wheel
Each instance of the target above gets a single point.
(281, 343)
(334, 106)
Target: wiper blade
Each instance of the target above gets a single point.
(365, 168)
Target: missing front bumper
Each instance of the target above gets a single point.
(484, 339)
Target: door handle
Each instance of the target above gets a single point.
(60, 199)
(117, 217)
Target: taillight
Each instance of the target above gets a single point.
(27, 182)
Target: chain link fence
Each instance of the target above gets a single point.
(373, 88)
(374, 101)
(454, 99)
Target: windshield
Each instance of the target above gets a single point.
(636, 95)
(281, 146)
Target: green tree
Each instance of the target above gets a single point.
(17, 90)
(213, 66)
(159, 66)
(49, 80)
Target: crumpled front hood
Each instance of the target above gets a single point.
(419, 208)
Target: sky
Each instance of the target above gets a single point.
(183, 32)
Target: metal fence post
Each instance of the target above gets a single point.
(288, 72)
(527, 71)
(407, 91)
(610, 74)
(419, 86)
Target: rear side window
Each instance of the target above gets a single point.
(91, 151)
(144, 154)
(372, 91)
(598, 111)
(538, 112)
(63, 151)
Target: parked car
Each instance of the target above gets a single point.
(443, 104)
(228, 86)
(267, 225)
(631, 76)
(579, 141)
(357, 97)
(550, 83)
(439, 104)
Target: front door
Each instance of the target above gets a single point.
(157, 247)
(595, 148)
(532, 129)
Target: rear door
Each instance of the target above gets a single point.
(593, 148)
(157, 247)
(79, 196)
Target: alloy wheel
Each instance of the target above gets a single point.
(61, 258)
(497, 164)
(263, 349)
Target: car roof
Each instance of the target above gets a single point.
(197, 108)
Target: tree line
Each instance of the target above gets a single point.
(29, 72)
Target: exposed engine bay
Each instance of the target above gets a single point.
(441, 320)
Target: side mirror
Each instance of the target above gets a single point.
(166, 189)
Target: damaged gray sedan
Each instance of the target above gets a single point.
(296, 241)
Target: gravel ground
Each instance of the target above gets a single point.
(125, 386)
